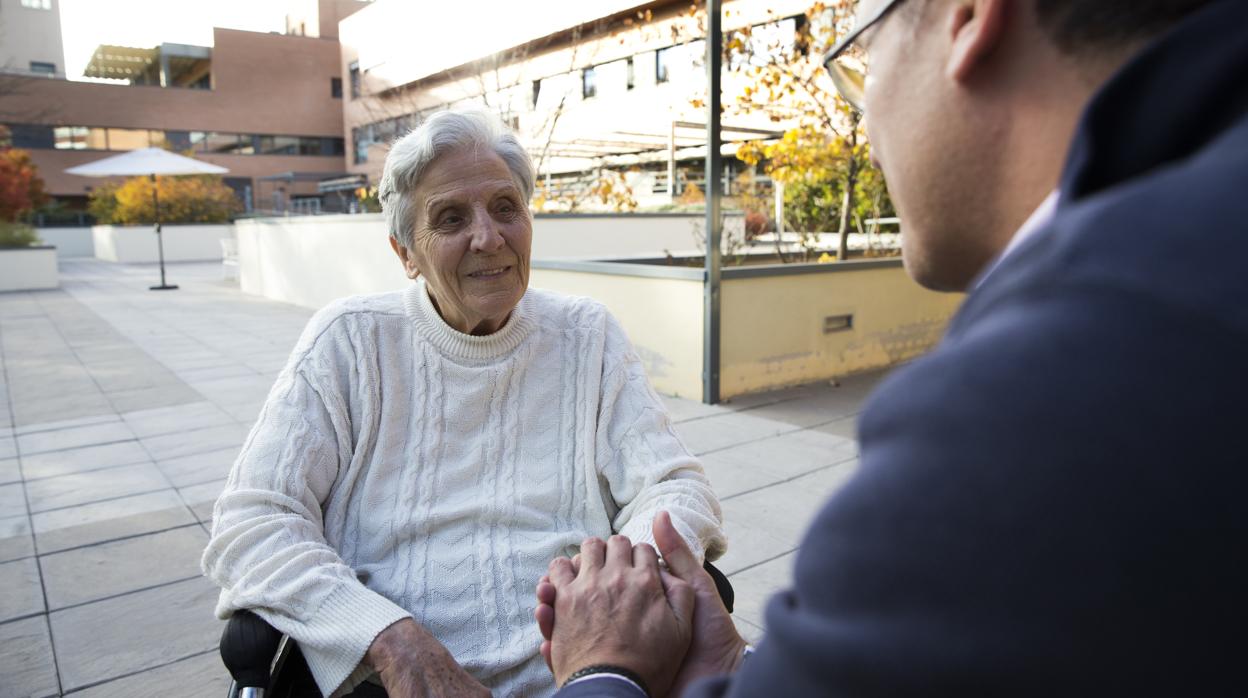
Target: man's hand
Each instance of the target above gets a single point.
(618, 609)
(413, 664)
(716, 647)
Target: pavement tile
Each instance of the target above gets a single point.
(753, 634)
(79, 460)
(729, 477)
(201, 676)
(26, 663)
(108, 520)
(199, 468)
(68, 423)
(93, 486)
(20, 591)
(9, 472)
(755, 586)
(8, 447)
(789, 455)
(846, 427)
(245, 412)
(177, 419)
(201, 498)
(725, 430)
(122, 566)
(214, 372)
(682, 410)
(153, 397)
(15, 538)
(143, 630)
(170, 446)
(749, 543)
(229, 391)
(73, 437)
(12, 500)
(53, 404)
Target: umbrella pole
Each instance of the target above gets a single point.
(160, 240)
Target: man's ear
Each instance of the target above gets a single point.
(976, 28)
(409, 264)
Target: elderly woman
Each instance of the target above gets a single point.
(426, 453)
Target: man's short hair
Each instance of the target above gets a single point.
(1078, 26)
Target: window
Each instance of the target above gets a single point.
(335, 88)
(31, 136)
(43, 68)
(361, 137)
(354, 69)
(631, 79)
(589, 83)
(537, 92)
(128, 139)
(663, 64)
(37, 4)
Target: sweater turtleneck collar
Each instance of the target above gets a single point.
(430, 325)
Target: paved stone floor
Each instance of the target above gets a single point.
(121, 410)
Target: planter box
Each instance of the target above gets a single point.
(28, 268)
(69, 242)
(137, 244)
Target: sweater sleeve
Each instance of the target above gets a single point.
(642, 461)
(268, 551)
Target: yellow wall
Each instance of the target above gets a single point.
(663, 318)
(773, 327)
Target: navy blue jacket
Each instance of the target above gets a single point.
(1054, 502)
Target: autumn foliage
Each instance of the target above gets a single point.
(189, 199)
(21, 189)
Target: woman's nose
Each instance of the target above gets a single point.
(486, 234)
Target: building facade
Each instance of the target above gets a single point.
(265, 106)
(30, 38)
(588, 84)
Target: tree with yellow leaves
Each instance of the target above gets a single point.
(824, 162)
(185, 199)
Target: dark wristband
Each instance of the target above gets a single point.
(608, 669)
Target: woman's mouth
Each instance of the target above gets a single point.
(492, 273)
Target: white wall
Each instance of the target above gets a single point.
(312, 260)
(137, 244)
(28, 269)
(69, 242)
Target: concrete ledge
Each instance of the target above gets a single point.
(69, 242)
(136, 244)
(28, 268)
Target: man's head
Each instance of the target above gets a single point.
(972, 104)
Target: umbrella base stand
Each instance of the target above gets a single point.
(163, 287)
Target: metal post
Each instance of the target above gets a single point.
(160, 240)
(714, 221)
(671, 163)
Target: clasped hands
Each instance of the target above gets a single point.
(614, 604)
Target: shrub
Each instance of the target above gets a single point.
(21, 189)
(17, 235)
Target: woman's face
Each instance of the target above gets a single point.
(471, 239)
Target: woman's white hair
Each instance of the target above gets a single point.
(411, 155)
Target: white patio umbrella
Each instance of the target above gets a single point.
(150, 162)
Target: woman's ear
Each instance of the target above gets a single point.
(405, 256)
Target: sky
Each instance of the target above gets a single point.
(85, 24)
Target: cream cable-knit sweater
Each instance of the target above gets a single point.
(401, 468)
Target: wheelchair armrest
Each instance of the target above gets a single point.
(248, 646)
(722, 585)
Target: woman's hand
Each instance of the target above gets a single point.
(413, 664)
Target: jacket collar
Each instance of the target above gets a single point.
(1168, 102)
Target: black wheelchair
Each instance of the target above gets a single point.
(266, 664)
